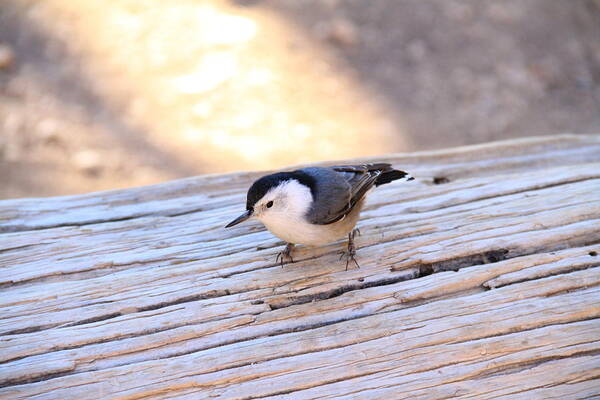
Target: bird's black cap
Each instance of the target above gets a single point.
(264, 184)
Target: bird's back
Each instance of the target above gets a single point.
(337, 190)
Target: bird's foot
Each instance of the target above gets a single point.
(351, 252)
(286, 253)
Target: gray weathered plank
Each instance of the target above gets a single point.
(484, 287)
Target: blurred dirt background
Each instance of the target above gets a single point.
(98, 95)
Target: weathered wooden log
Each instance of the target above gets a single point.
(478, 280)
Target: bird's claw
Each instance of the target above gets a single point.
(286, 253)
(351, 250)
(349, 257)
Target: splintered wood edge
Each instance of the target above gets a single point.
(485, 286)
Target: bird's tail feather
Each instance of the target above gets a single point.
(386, 172)
(390, 175)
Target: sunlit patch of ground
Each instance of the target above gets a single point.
(226, 88)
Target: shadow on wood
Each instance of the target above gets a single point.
(477, 281)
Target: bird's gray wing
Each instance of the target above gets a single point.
(339, 189)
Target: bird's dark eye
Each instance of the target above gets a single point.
(270, 204)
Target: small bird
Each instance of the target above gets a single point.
(317, 205)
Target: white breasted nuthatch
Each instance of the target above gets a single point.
(315, 206)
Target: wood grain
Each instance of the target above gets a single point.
(485, 287)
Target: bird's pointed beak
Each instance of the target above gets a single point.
(239, 219)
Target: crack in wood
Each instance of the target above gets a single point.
(527, 279)
(521, 366)
(457, 263)
(338, 291)
(559, 292)
(92, 320)
(41, 378)
(30, 329)
(186, 299)
(25, 246)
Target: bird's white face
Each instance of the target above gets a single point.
(283, 211)
(283, 204)
(281, 208)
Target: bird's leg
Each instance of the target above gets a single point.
(355, 232)
(351, 249)
(286, 253)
